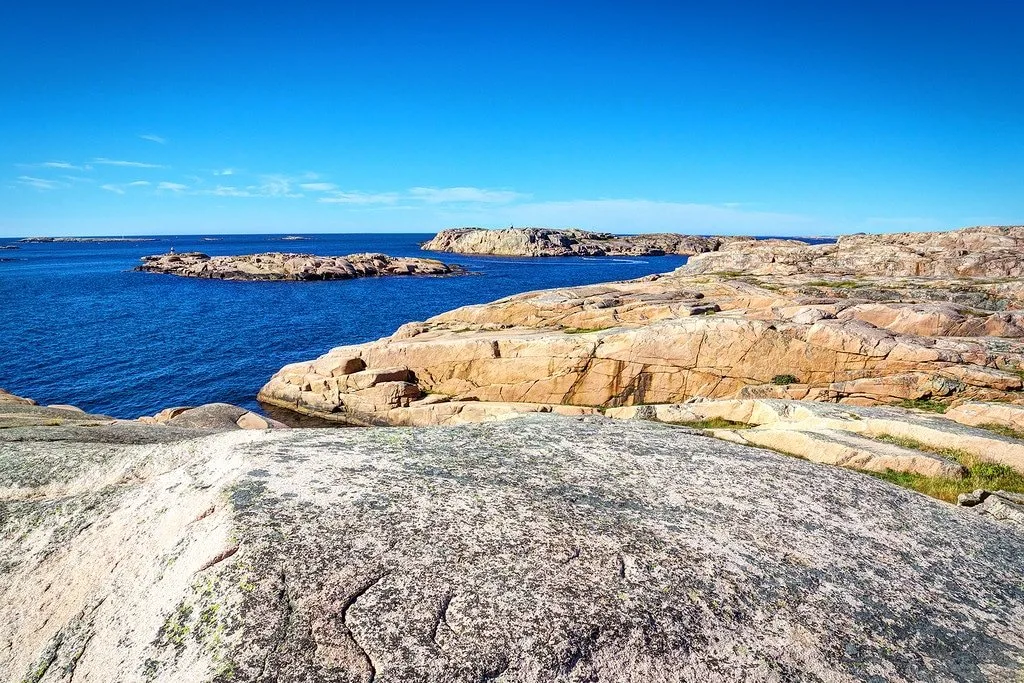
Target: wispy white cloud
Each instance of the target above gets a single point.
(171, 187)
(443, 195)
(154, 138)
(121, 188)
(339, 197)
(103, 161)
(226, 191)
(318, 187)
(61, 165)
(225, 171)
(39, 183)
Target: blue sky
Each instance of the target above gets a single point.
(728, 117)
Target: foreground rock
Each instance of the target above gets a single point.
(546, 548)
(666, 339)
(972, 252)
(549, 242)
(279, 266)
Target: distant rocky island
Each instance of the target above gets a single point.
(87, 239)
(550, 242)
(283, 266)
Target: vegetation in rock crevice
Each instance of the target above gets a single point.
(981, 474)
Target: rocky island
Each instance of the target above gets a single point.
(281, 266)
(43, 240)
(550, 242)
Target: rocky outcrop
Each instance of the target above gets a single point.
(1001, 506)
(221, 416)
(666, 339)
(847, 436)
(16, 411)
(549, 242)
(1006, 415)
(541, 549)
(279, 266)
(988, 252)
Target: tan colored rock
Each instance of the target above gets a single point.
(669, 338)
(551, 242)
(781, 417)
(833, 447)
(972, 252)
(978, 414)
(280, 266)
(7, 397)
(65, 406)
(252, 420)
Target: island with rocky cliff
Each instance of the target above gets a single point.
(281, 266)
(551, 242)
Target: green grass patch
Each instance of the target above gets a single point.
(714, 423)
(784, 380)
(835, 284)
(980, 474)
(928, 404)
(582, 330)
(1003, 430)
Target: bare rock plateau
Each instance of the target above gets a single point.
(547, 548)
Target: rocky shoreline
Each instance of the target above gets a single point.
(698, 332)
(284, 266)
(550, 242)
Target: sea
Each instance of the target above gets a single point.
(79, 326)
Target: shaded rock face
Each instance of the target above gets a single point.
(549, 242)
(665, 339)
(279, 266)
(971, 252)
(540, 549)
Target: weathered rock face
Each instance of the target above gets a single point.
(549, 242)
(278, 266)
(542, 549)
(848, 435)
(665, 339)
(972, 252)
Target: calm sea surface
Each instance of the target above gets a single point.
(79, 327)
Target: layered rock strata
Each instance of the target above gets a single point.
(281, 266)
(550, 242)
(984, 252)
(847, 436)
(666, 339)
(545, 548)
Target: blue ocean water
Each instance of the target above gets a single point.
(79, 326)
